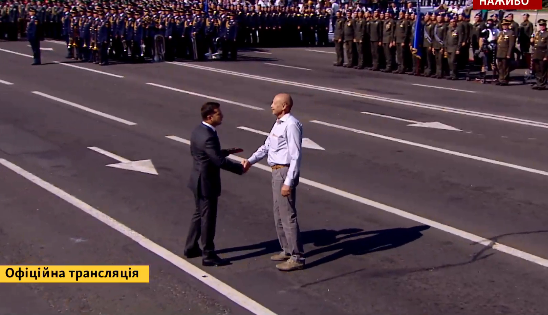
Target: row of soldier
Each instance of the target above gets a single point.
(447, 42)
(258, 26)
(102, 33)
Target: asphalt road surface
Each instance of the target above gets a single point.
(417, 196)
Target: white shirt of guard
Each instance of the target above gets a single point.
(283, 147)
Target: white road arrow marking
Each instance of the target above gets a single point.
(44, 48)
(307, 143)
(143, 166)
(434, 125)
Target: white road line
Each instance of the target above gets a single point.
(373, 97)
(254, 130)
(321, 51)
(16, 53)
(390, 117)
(446, 228)
(178, 139)
(263, 52)
(110, 155)
(88, 69)
(6, 82)
(56, 42)
(292, 67)
(444, 88)
(177, 261)
(123, 121)
(424, 146)
(206, 96)
(43, 48)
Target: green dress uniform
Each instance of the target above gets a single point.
(359, 36)
(387, 42)
(375, 39)
(401, 38)
(349, 41)
(540, 56)
(506, 43)
(453, 42)
(338, 38)
(439, 32)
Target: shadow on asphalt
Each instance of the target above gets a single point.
(343, 243)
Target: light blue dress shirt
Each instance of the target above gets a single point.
(283, 147)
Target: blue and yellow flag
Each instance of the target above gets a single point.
(417, 37)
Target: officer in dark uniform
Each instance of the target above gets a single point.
(524, 35)
(33, 36)
(230, 37)
(540, 55)
(506, 42)
(103, 38)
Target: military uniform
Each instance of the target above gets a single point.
(506, 42)
(375, 38)
(540, 55)
(349, 40)
(33, 36)
(389, 27)
(359, 36)
(439, 33)
(338, 37)
(402, 33)
(453, 41)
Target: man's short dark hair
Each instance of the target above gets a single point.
(209, 109)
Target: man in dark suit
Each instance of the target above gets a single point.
(205, 183)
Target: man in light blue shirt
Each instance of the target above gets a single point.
(283, 148)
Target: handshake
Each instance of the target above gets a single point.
(246, 165)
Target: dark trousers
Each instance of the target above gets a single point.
(375, 54)
(339, 50)
(504, 69)
(202, 225)
(540, 68)
(35, 45)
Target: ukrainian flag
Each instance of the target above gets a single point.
(417, 37)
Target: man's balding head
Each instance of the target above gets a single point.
(281, 104)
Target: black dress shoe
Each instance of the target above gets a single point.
(214, 260)
(193, 253)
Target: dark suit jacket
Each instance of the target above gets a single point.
(209, 159)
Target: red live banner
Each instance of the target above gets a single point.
(507, 4)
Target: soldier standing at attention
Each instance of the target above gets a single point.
(524, 34)
(338, 38)
(33, 36)
(506, 42)
(540, 55)
(453, 41)
(439, 32)
(359, 35)
(349, 38)
(230, 44)
(401, 39)
(375, 37)
(428, 31)
(388, 42)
